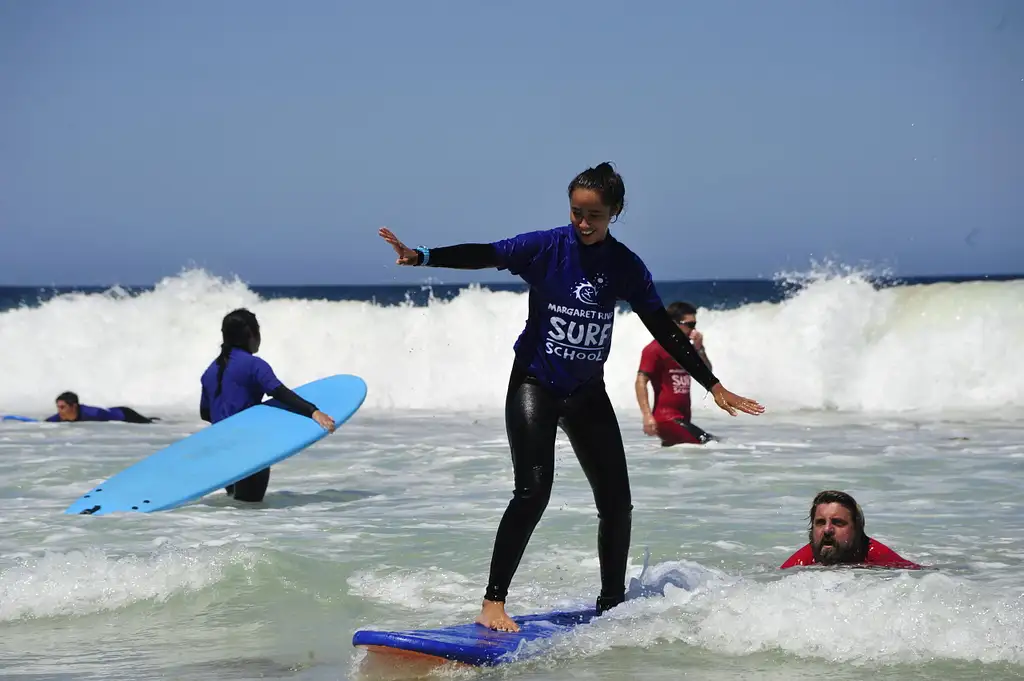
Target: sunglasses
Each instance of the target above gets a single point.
(689, 325)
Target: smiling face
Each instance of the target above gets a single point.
(590, 216)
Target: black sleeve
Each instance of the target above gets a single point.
(462, 257)
(204, 413)
(669, 336)
(295, 403)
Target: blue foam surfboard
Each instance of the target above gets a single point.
(474, 644)
(15, 417)
(224, 452)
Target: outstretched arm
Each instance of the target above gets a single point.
(518, 255)
(460, 257)
(670, 336)
(675, 342)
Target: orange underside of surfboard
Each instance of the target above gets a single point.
(411, 656)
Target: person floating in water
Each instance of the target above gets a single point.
(70, 409)
(576, 274)
(836, 537)
(237, 380)
(671, 419)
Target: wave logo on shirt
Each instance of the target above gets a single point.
(585, 292)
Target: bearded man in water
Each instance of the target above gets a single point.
(836, 537)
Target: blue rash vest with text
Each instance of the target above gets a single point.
(573, 292)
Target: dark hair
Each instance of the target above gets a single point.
(67, 397)
(680, 309)
(238, 329)
(606, 182)
(831, 496)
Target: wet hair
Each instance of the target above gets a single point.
(238, 329)
(680, 309)
(67, 397)
(606, 182)
(831, 496)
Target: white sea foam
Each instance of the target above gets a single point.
(838, 343)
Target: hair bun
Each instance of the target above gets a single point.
(605, 181)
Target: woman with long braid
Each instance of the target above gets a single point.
(237, 380)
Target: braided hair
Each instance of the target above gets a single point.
(238, 330)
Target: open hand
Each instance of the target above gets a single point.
(731, 402)
(406, 256)
(325, 421)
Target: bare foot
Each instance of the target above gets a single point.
(493, 616)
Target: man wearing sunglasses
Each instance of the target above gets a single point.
(670, 420)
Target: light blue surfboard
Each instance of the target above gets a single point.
(15, 417)
(223, 453)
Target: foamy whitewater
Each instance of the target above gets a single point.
(910, 398)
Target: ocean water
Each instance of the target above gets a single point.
(909, 395)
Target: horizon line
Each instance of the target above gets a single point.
(250, 284)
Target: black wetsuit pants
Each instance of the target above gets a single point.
(532, 416)
(132, 416)
(252, 488)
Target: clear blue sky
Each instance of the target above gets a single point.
(271, 139)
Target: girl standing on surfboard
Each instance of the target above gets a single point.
(237, 380)
(576, 274)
